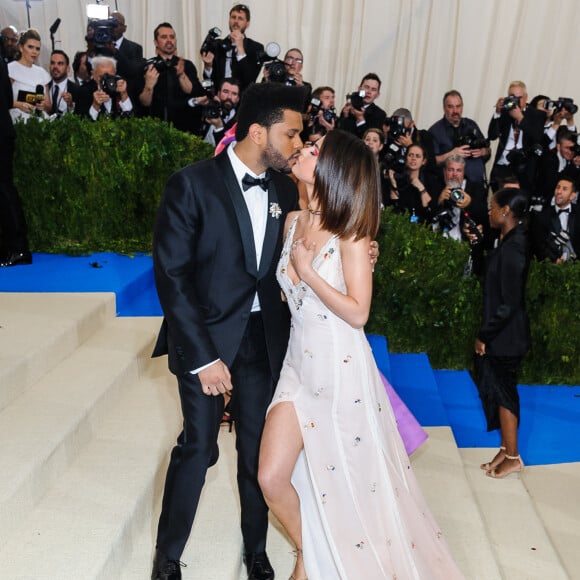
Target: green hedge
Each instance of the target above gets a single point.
(423, 303)
(96, 186)
(90, 186)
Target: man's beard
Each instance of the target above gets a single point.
(272, 158)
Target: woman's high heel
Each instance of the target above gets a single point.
(500, 456)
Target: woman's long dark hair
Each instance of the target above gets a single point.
(347, 186)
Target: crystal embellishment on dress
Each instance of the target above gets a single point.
(330, 467)
(347, 359)
(356, 441)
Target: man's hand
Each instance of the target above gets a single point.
(479, 347)
(463, 151)
(207, 58)
(122, 89)
(100, 97)
(374, 252)
(237, 39)
(151, 77)
(216, 379)
(404, 140)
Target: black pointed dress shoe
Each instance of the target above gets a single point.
(166, 569)
(258, 566)
(15, 259)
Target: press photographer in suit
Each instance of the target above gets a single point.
(520, 130)
(238, 56)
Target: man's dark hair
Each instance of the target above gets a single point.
(452, 93)
(319, 90)
(371, 77)
(76, 65)
(63, 54)
(241, 8)
(264, 104)
(230, 81)
(162, 25)
(570, 180)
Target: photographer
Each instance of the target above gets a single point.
(360, 112)
(563, 161)
(219, 114)
(401, 132)
(455, 134)
(9, 44)
(320, 114)
(459, 197)
(237, 55)
(520, 130)
(410, 190)
(555, 231)
(105, 95)
(560, 115)
(169, 82)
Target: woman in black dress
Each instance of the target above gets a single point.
(504, 336)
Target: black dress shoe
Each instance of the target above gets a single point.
(16, 259)
(258, 566)
(166, 569)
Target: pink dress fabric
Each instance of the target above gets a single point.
(363, 513)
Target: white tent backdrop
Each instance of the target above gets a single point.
(419, 48)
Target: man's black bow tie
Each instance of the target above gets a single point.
(249, 181)
(563, 211)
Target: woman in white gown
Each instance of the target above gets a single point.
(333, 468)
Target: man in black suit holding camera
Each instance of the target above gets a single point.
(236, 56)
(520, 130)
(169, 83)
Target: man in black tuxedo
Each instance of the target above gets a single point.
(128, 54)
(13, 231)
(94, 102)
(240, 58)
(563, 161)
(548, 225)
(62, 91)
(217, 241)
(357, 120)
(520, 130)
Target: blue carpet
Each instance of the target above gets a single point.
(550, 425)
(129, 277)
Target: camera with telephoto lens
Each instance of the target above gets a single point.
(100, 33)
(394, 157)
(162, 64)
(329, 115)
(276, 69)
(356, 99)
(212, 110)
(561, 246)
(444, 217)
(562, 103)
(472, 140)
(396, 125)
(109, 84)
(518, 158)
(510, 103)
(212, 42)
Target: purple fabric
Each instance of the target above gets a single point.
(411, 432)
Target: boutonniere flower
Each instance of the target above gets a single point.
(275, 210)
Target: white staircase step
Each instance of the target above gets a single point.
(555, 490)
(44, 429)
(38, 330)
(84, 525)
(522, 546)
(439, 469)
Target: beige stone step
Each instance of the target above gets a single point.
(522, 546)
(45, 429)
(39, 330)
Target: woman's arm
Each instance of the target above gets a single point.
(354, 306)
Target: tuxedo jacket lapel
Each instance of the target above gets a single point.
(242, 214)
(272, 230)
